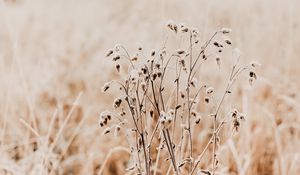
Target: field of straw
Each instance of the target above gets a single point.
(58, 57)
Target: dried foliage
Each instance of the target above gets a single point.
(161, 122)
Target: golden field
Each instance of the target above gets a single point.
(53, 66)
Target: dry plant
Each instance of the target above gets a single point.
(158, 101)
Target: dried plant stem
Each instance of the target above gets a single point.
(206, 147)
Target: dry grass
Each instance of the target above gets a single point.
(53, 66)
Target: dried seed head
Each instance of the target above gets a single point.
(252, 74)
(151, 113)
(182, 62)
(157, 66)
(206, 99)
(198, 119)
(117, 102)
(116, 57)
(159, 74)
(106, 86)
(175, 27)
(170, 24)
(226, 30)
(144, 70)
(109, 52)
(228, 41)
(104, 118)
(234, 113)
(236, 125)
(118, 67)
(117, 47)
(106, 131)
(255, 64)
(177, 107)
(184, 29)
(209, 90)
(195, 31)
(217, 44)
(153, 76)
(242, 117)
(181, 94)
(194, 82)
(105, 121)
(134, 75)
(153, 53)
(180, 51)
(135, 58)
(171, 112)
(117, 130)
(144, 86)
(218, 60)
(251, 81)
(123, 113)
(165, 119)
(193, 113)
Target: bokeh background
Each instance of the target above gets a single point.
(52, 67)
